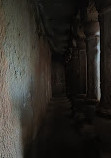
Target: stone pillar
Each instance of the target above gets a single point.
(75, 71)
(92, 31)
(103, 120)
(72, 71)
(68, 74)
(93, 60)
(82, 66)
(105, 27)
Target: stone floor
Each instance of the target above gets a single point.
(62, 135)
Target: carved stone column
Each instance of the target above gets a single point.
(75, 70)
(81, 44)
(72, 71)
(68, 69)
(93, 60)
(105, 28)
(92, 31)
(103, 120)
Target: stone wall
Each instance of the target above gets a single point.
(25, 77)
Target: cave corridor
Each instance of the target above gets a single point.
(55, 78)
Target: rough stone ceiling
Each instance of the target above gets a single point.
(57, 16)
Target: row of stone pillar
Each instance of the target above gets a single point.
(98, 51)
(87, 52)
(98, 62)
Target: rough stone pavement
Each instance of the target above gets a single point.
(58, 137)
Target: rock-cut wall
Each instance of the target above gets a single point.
(25, 77)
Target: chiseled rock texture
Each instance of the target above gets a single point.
(25, 77)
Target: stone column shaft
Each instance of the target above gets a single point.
(103, 119)
(83, 62)
(82, 66)
(105, 26)
(93, 60)
(75, 71)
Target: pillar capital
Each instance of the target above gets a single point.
(80, 41)
(92, 29)
(92, 13)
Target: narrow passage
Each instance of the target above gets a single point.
(59, 138)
